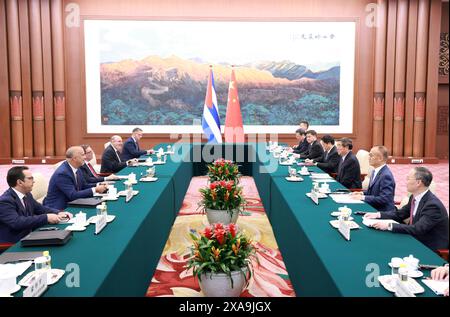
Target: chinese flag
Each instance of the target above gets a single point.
(234, 131)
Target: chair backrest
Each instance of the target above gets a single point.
(94, 159)
(363, 159)
(40, 187)
(366, 181)
(56, 165)
(107, 144)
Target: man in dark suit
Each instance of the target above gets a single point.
(329, 161)
(67, 183)
(381, 191)
(303, 144)
(19, 212)
(88, 171)
(428, 218)
(349, 172)
(111, 160)
(315, 150)
(131, 148)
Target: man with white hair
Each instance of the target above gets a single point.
(67, 183)
(111, 160)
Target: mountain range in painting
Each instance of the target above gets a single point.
(171, 91)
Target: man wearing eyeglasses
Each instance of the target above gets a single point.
(19, 212)
(428, 218)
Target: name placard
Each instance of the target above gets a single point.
(314, 197)
(402, 289)
(38, 285)
(100, 223)
(129, 195)
(344, 229)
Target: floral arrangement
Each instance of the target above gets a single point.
(221, 249)
(223, 170)
(222, 195)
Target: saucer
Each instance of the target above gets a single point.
(109, 218)
(53, 276)
(108, 198)
(132, 183)
(148, 179)
(15, 290)
(124, 193)
(388, 282)
(303, 174)
(415, 274)
(75, 228)
(319, 195)
(80, 224)
(294, 179)
(335, 224)
(159, 162)
(325, 191)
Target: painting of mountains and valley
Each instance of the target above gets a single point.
(171, 91)
(154, 73)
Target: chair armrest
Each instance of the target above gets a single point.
(443, 253)
(5, 246)
(103, 174)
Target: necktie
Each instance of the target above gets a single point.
(77, 180)
(372, 176)
(326, 155)
(92, 169)
(118, 156)
(411, 214)
(25, 204)
(137, 146)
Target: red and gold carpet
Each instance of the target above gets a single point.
(270, 276)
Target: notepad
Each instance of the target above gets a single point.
(436, 286)
(345, 199)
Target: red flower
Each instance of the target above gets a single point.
(212, 185)
(233, 229)
(223, 183)
(220, 236)
(208, 232)
(218, 226)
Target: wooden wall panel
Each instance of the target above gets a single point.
(5, 131)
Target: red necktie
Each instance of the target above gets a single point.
(411, 215)
(92, 169)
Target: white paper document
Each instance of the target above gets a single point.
(16, 269)
(321, 175)
(436, 286)
(369, 222)
(345, 199)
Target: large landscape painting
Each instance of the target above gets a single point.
(154, 73)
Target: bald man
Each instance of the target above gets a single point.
(111, 158)
(67, 183)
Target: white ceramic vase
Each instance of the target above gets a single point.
(219, 284)
(223, 216)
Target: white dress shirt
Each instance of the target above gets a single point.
(417, 201)
(20, 196)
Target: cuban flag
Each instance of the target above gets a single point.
(211, 119)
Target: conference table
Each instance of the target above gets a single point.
(121, 260)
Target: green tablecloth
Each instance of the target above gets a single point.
(121, 260)
(320, 262)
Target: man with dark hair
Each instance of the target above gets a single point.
(303, 144)
(19, 212)
(315, 150)
(88, 171)
(131, 147)
(304, 125)
(381, 191)
(329, 161)
(428, 218)
(349, 172)
(67, 183)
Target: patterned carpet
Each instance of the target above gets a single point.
(270, 277)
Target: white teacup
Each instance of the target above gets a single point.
(412, 263)
(325, 187)
(8, 282)
(304, 170)
(112, 192)
(132, 177)
(80, 218)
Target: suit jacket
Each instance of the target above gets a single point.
(16, 221)
(63, 187)
(315, 151)
(110, 161)
(430, 223)
(88, 176)
(302, 147)
(131, 150)
(349, 172)
(381, 191)
(329, 164)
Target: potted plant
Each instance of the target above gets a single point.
(223, 170)
(222, 201)
(221, 260)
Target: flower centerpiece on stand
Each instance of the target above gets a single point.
(222, 201)
(221, 260)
